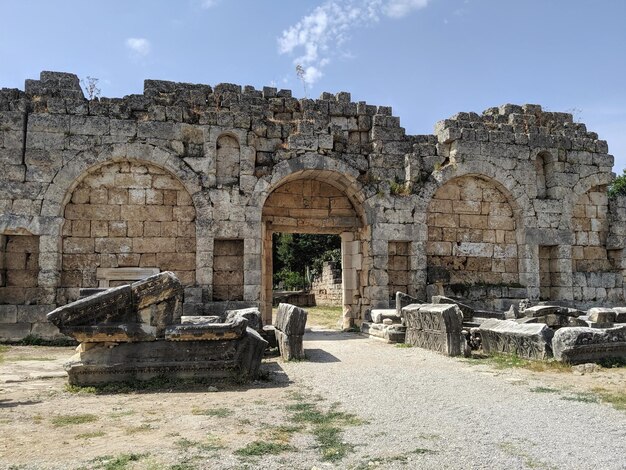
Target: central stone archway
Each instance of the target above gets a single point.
(316, 202)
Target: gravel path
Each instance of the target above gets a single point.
(467, 415)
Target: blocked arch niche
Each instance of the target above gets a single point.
(472, 234)
(127, 214)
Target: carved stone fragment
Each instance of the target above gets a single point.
(579, 345)
(435, 327)
(530, 340)
(289, 329)
(468, 312)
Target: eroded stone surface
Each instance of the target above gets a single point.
(580, 345)
(530, 340)
(437, 327)
(289, 329)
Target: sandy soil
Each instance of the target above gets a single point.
(194, 428)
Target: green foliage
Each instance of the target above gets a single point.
(69, 420)
(294, 253)
(618, 186)
(120, 462)
(258, 448)
(218, 412)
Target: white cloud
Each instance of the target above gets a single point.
(400, 8)
(320, 34)
(139, 46)
(206, 4)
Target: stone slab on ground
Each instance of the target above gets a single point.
(529, 340)
(380, 314)
(468, 312)
(579, 345)
(289, 330)
(437, 327)
(394, 333)
(601, 315)
(543, 310)
(252, 314)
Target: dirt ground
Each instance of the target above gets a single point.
(44, 424)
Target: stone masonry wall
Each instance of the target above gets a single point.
(230, 153)
(327, 288)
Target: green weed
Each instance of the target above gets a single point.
(544, 390)
(259, 448)
(120, 462)
(90, 435)
(217, 412)
(71, 420)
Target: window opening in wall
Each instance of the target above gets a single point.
(540, 170)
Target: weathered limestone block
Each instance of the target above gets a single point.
(252, 315)
(159, 300)
(579, 345)
(199, 319)
(98, 364)
(207, 331)
(530, 340)
(402, 300)
(468, 312)
(435, 327)
(602, 315)
(289, 329)
(394, 333)
(543, 310)
(111, 306)
(620, 314)
(380, 314)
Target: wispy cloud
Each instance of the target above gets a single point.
(318, 36)
(206, 4)
(139, 46)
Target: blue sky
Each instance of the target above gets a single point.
(428, 59)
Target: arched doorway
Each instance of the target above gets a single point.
(316, 202)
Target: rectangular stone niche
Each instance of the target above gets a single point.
(228, 270)
(547, 270)
(19, 268)
(399, 265)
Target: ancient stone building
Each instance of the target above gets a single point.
(493, 207)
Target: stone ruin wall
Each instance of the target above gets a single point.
(492, 207)
(327, 288)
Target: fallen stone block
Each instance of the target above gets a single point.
(394, 333)
(158, 300)
(207, 331)
(529, 340)
(289, 330)
(601, 315)
(437, 327)
(402, 300)
(543, 310)
(468, 312)
(114, 305)
(219, 360)
(553, 320)
(380, 314)
(199, 319)
(252, 315)
(580, 345)
(620, 314)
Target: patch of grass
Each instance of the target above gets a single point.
(90, 435)
(217, 412)
(331, 445)
(119, 414)
(259, 448)
(511, 361)
(71, 420)
(403, 345)
(581, 397)
(544, 390)
(120, 462)
(137, 429)
(326, 317)
(617, 399)
(283, 432)
(211, 444)
(27, 358)
(78, 389)
(529, 461)
(327, 427)
(3, 349)
(32, 340)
